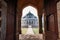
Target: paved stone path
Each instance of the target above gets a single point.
(30, 30)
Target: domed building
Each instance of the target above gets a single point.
(29, 19)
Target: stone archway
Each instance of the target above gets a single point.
(22, 4)
(38, 4)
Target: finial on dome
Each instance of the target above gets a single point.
(29, 12)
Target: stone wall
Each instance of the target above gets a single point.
(58, 12)
(0, 19)
(3, 19)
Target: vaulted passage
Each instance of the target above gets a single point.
(13, 19)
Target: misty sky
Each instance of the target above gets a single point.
(31, 9)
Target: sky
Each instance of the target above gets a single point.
(28, 9)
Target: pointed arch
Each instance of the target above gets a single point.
(31, 9)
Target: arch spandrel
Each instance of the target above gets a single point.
(38, 4)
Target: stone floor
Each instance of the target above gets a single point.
(31, 37)
(30, 30)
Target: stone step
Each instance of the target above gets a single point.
(31, 37)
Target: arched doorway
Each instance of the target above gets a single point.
(30, 17)
(22, 4)
(29, 11)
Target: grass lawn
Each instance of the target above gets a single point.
(35, 30)
(24, 30)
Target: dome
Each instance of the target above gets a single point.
(29, 15)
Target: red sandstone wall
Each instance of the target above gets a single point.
(58, 12)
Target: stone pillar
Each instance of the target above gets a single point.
(17, 32)
(40, 24)
(18, 26)
(11, 20)
(51, 26)
(19, 15)
(19, 23)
